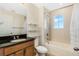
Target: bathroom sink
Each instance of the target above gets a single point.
(18, 40)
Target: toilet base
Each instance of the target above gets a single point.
(42, 54)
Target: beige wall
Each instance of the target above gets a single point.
(62, 35)
(32, 13)
(33, 18)
(41, 25)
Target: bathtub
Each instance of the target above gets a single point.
(60, 49)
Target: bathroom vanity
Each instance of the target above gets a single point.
(23, 48)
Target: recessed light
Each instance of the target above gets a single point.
(61, 3)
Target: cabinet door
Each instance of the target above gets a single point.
(12, 55)
(29, 51)
(20, 53)
(1, 52)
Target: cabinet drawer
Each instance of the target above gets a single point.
(19, 46)
(23, 45)
(29, 43)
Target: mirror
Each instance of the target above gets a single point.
(11, 23)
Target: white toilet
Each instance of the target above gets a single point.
(42, 50)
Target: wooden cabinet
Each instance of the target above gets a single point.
(20, 53)
(9, 50)
(29, 51)
(1, 52)
(12, 55)
(21, 49)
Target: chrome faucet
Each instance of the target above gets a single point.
(14, 37)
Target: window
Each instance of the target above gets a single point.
(58, 22)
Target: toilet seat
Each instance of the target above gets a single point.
(41, 49)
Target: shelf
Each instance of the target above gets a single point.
(18, 27)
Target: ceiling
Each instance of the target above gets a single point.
(16, 7)
(19, 8)
(53, 6)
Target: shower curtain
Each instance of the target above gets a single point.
(74, 27)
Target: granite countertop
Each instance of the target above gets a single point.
(13, 43)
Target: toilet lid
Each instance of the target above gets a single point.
(41, 49)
